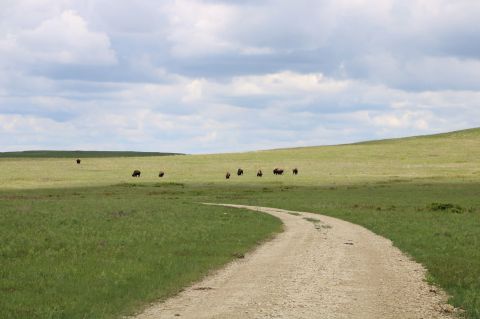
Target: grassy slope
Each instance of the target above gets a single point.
(387, 186)
(450, 156)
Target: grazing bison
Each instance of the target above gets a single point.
(295, 171)
(161, 174)
(278, 171)
(136, 173)
(259, 173)
(78, 161)
(240, 172)
(227, 176)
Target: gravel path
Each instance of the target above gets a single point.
(319, 268)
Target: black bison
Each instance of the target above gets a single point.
(136, 173)
(278, 171)
(295, 171)
(259, 173)
(78, 161)
(240, 172)
(227, 176)
(161, 174)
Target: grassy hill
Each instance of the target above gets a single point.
(452, 156)
(461, 134)
(93, 219)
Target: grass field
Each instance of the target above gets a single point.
(103, 252)
(422, 193)
(454, 156)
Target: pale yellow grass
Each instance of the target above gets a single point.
(454, 156)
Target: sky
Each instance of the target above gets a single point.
(210, 76)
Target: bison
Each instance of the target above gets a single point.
(295, 171)
(259, 173)
(136, 173)
(278, 171)
(78, 161)
(161, 174)
(240, 172)
(227, 176)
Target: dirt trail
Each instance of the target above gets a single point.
(315, 269)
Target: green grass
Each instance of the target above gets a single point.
(420, 192)
(444, 241)
(104, 252)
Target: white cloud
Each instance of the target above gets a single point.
(195, 28)
(63, 39)
(206, 76)
(285, 83)
(411, 120)
(19, 132)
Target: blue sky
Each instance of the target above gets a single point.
(212, 76)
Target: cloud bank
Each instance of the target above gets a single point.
(201, 76)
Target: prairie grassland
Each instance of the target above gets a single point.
(107, 251)
(437, 224)
(444, 157)
(422, 193)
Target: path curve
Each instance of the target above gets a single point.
(315, 269)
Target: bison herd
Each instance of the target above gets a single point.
(136, 173)
(276, 171)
